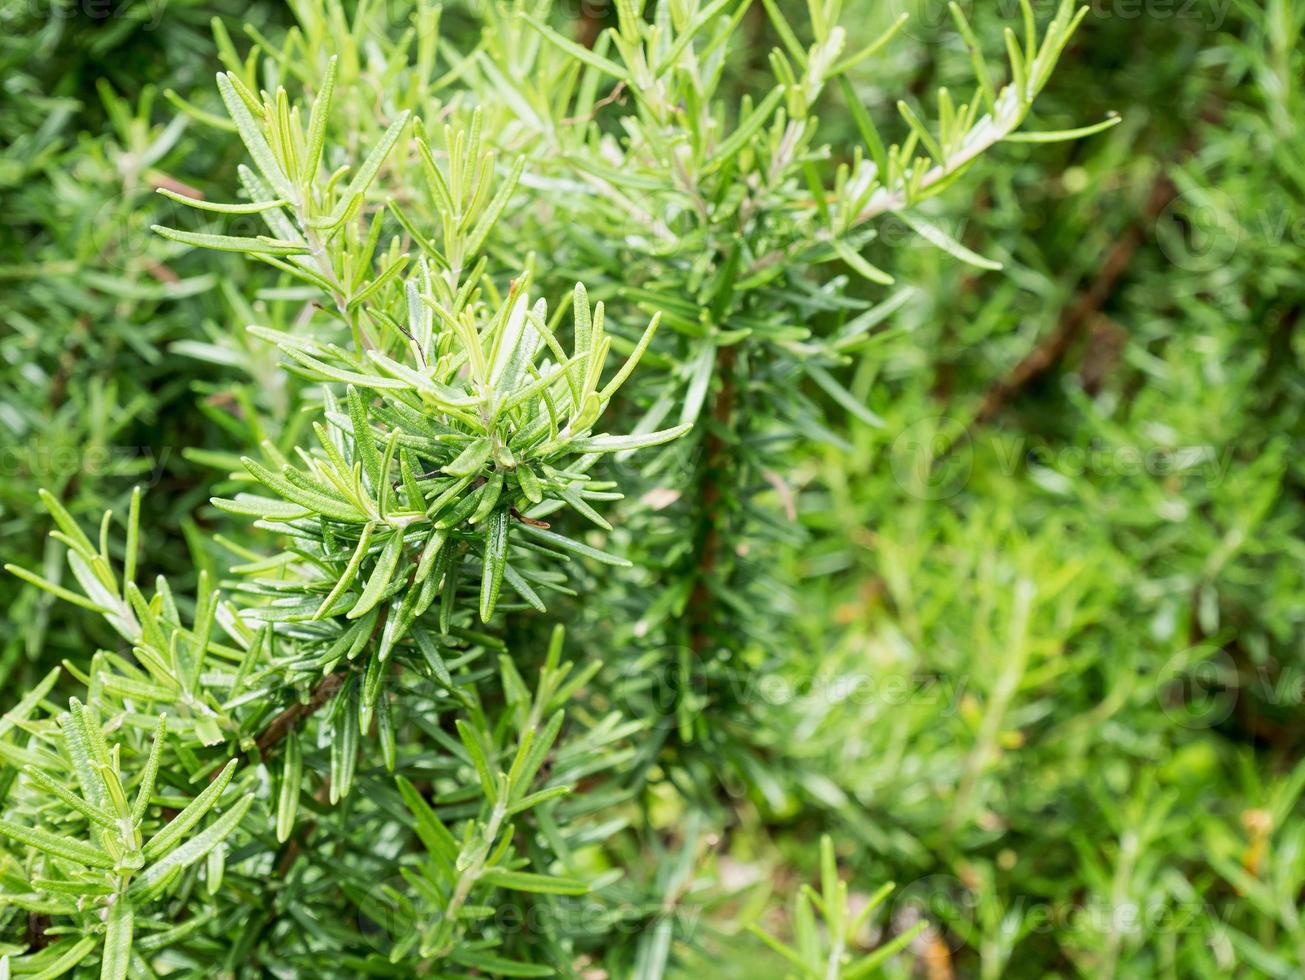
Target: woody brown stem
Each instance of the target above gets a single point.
(284, 723)
(716, 458)
(1081, 313)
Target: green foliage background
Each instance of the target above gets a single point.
(1025, 635)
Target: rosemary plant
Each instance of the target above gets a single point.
(559, 316)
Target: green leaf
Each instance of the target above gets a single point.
(495, 559)
(434, 835)
(523, 588)
(363, 440)
(362, 180)
(632, 361)
(748, 128)
(381, 576)
(851, 61)
(116, 958)
(58, 591)
(254, 207)
(251, 134)
(229, 243)
(857, 262)
(60, 847)
(132, 549)
(1061, 135)
(329, 372)
(345, 734)
(568, 544)
(60, 792)
(532, 752)
(575, 50)
(317, 121)
(181, 824)
(1018, 66)
(844, 397)
(529, 483)
(535, 799)
(81, 751)
(496, 966)
(686, 36)
(58, 959)
(196, 848)
(350, 571)
(524, 881)
(865, 967)
(612, 444)
(263, 508)
(785, 32)
(318, 502)
(77, 539)
(976, 58)
(479, 759)
(922, 131)
(291, 781)
(23, 709)
(150, 775)
(783, 949)
(495, 209)
(471, 459)
(936, 236)
(489, 495)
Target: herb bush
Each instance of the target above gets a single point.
(652, 508)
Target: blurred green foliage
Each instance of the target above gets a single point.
(1078, 535)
